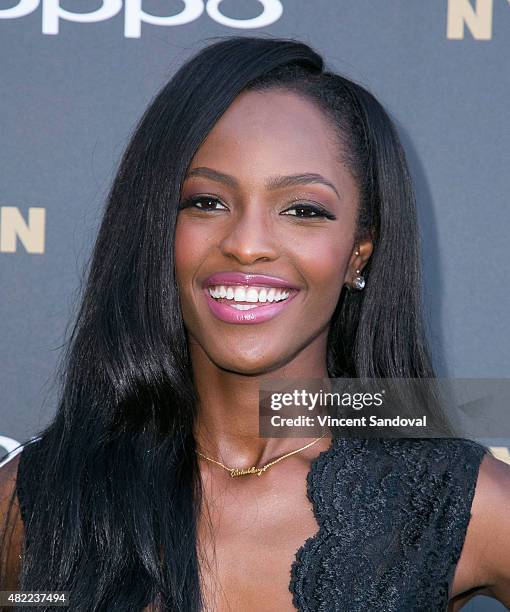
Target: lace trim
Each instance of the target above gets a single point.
(392, 517)
(300, 567)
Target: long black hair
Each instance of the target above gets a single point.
(115, 510)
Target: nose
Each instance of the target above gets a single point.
(249, 238)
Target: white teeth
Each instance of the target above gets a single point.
(243, 306)
(239, 293)
(252, 295)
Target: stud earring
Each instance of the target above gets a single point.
(359, 281)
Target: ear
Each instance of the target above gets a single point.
(361, 253)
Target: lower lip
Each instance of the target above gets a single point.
(259, 314)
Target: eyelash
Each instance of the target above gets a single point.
(320, 213)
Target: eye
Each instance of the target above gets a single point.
(205, 203)
(308, 211)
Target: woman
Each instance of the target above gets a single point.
(253, 160)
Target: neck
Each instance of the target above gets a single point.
(227, 426)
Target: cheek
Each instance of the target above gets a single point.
(187, 246)
(181, 248)
(324, 264)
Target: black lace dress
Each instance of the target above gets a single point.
(392, 517)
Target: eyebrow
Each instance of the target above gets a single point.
(274, 182)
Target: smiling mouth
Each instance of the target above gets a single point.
(248, 297)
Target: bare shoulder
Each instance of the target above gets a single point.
(492, 507)
(484, 565)
(8, 475)
(11, 527)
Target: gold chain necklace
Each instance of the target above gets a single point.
(255, 470)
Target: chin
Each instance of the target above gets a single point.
(248, 366)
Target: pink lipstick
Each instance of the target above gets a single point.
(238, 278)
(240, 298)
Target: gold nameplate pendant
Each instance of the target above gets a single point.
(244, 472)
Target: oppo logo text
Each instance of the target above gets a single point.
(134, 15)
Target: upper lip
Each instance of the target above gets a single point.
(239, 278)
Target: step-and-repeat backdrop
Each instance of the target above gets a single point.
(75, 75)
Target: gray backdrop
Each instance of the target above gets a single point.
(76, 75)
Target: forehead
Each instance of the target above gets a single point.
(269, 131)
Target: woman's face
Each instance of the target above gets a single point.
(267, 193)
